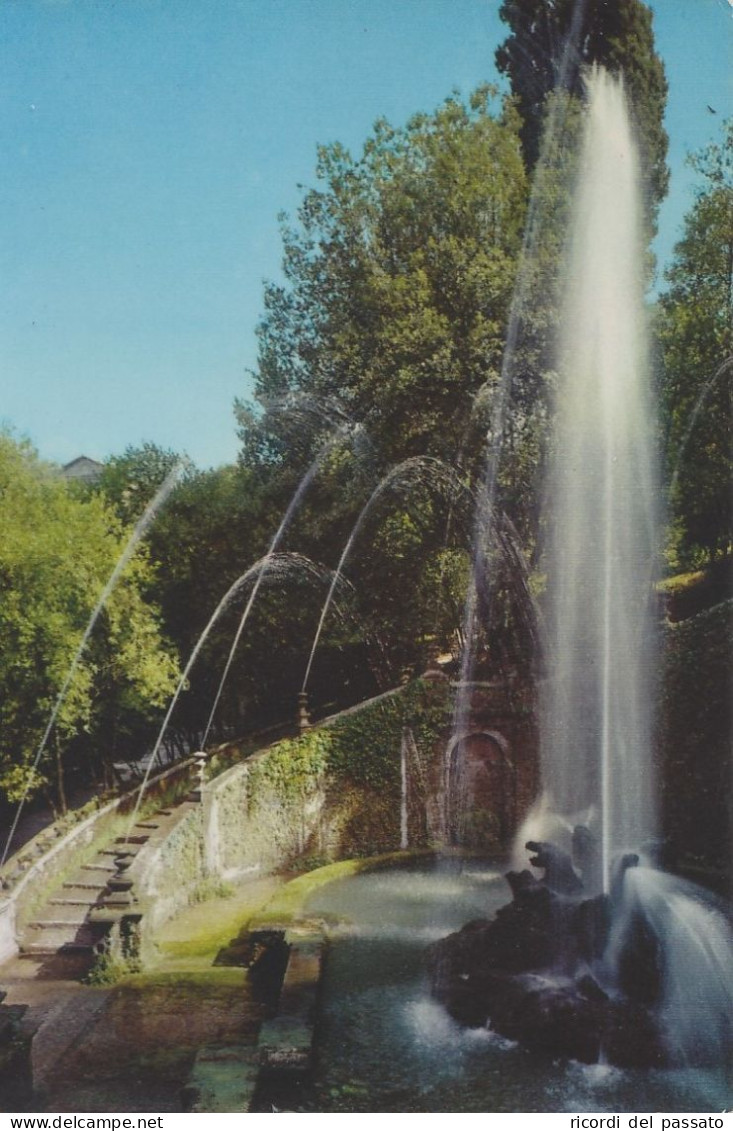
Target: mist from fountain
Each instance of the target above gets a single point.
(691, 935)
(486, 509)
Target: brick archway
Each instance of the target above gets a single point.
(480, 790)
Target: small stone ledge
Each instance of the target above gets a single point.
(223, 1080)
(286, 1040)
(227, 1078)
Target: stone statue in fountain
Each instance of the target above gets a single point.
(529, 974)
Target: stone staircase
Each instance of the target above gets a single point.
(72, 921)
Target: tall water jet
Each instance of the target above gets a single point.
(486, 502)
(596, 704)
(636, 976)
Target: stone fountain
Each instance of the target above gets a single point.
(601, 955)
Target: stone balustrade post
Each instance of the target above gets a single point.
(199, 774)
(303, 718)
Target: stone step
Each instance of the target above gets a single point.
(64, 916)
(84, 885)
(81, 901)
(49, 940)
(62, 1028)
(99, 867)
(69, 928)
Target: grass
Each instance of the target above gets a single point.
(289, 901)
(199, 932)
(194, 937)
(196, 980)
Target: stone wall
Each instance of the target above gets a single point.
(333, 793)
(695, 728)
(471, 789)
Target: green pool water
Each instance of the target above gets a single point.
(384, 1045)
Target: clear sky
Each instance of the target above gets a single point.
(147, 149)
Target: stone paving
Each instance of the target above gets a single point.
(182, 1036)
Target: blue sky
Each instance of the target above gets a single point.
(147, 149)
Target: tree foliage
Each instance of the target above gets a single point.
(696, 332)
(399, 275)
(550, 42)
(209, 531)
(130, 481)
(57, 553)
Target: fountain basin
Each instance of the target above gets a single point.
(384, 1043)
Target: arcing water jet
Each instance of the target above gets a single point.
(275, 565)
(424, 470)
(286, 519)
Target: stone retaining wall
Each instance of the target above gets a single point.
(331, 795)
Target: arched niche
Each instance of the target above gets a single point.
(480, 790)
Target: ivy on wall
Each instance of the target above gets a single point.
(292, 768)
(360, 747)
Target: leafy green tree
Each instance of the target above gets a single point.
(695, 326)
(57, 553)
(212, 528)
(208, 532)
(130, 481)
(399, 276)
(549, 43)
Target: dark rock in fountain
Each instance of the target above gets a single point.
(558, 867)
(525, 974)
(587, 858)
(591, 925)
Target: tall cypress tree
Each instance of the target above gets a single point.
(549, 44)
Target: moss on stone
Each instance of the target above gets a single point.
(200, 932)
(288, 903)
(197, 982)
